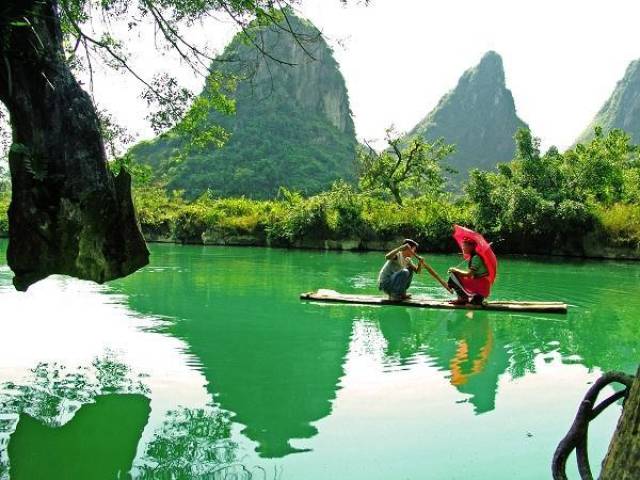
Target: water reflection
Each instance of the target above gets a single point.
(277, 363)
(194, 443)
(100, 442)
(239, 363)
(75, 360)
(466, 349)
(479, 360)
(88, 423)
(476, 349)
(53, 393)
(271, 360)
(43, 426)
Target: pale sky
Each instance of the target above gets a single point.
(562, 58)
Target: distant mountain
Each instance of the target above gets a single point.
(292, 125)
(478, 116)
(622, 109)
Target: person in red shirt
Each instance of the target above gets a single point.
(472, 285)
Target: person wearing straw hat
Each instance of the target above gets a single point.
(397, 272)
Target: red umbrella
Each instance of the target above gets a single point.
(483, 248)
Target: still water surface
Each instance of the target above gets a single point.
(206, 365)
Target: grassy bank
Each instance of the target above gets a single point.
(338, 217)
(582, 202)
(346, 219)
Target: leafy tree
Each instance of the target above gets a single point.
(403, 169)
(596, 171)
(553, 199)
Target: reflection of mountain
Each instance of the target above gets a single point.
(107, 432)
(270, 359)
(278, 378)
(466, 347)
(275, 362)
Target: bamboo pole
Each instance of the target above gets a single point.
(434, 274)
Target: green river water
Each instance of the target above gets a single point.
(206, 365)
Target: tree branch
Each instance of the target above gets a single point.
(394, 145)
(110, 51)
(576, 438)
(372, 152)
(407, 165)
(247, 35)
(295, 34)
(173, 37)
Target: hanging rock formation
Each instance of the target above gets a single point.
(68, 213)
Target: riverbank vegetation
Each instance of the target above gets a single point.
(342, 216)
(585, 201)
(5, 198)
(559, 201)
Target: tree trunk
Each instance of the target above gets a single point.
(623, 458)
(68, 213)
(395, 191)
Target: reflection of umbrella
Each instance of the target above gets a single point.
(483, 248)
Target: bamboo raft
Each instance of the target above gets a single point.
(332, 296)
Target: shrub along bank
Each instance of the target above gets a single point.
(583, 202)
(338, 219)
(344, 219)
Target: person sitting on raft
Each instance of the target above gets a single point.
(471, 285)
(396, 274)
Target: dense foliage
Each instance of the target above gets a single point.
(340, 214)
(551, 201)
(292, 125)
(545, 203)
(582, 201)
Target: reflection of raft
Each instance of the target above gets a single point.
(512, 306)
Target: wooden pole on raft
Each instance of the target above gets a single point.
(434, 274)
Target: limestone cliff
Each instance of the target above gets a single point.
(478, 116)
(292, 125)
(622, 109)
